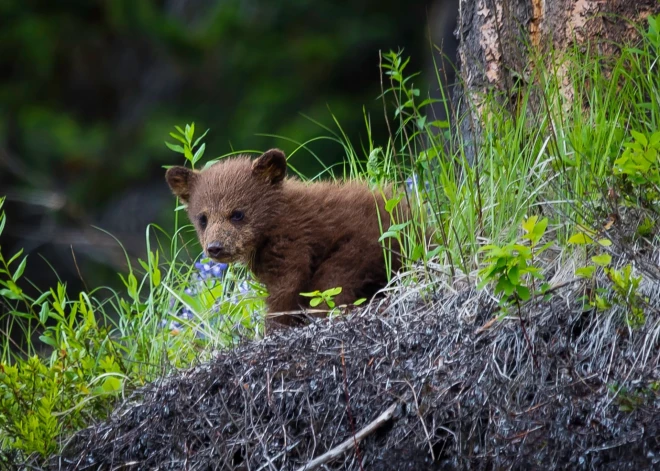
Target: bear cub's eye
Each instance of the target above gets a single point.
(203, 221)
(236, 216)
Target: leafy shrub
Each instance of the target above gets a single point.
(639, 165)
(512, 267)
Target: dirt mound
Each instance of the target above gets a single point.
(408, 384)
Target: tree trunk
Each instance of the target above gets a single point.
(495, 38)
(495, 34)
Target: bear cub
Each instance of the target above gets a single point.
(294, 236)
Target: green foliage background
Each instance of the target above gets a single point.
(89, 89)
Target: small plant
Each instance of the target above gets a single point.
(587, 237)
(191, 149)
(640, 165)
(29, 398)
(512, 267)
(327, 297)
(624, 285)
(318, 297)
(631, 399)
(513, 270)
(626, 293)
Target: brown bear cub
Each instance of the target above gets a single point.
(294, 236)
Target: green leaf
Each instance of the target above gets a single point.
(483, 283)
(19, 271)
(391, 203)
(23, 315)
(387, 235)
(43, 313)
(434, 252)
(310, 294)
(639, 137)
(41, 298)
(580, 239)
(602, 260)
(585, 272)
(514, 275)
(178, 138)
(399, 227)
(132, 286)
(523, 250)
(605, 242)
(111, 384)
(655, 139)
(332, 291)
(156, 277)
(417, 252)
(359, 301)
(200, 138)
(505, 286)
(523, 292)
(601, 303)
(528, 225)
(199, 154)
(15, 257)
(174, 147)
(540, 227)
(209, 163)
(9, 294)
(440, 124)
(48, 340)
(315, 302)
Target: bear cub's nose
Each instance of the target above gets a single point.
(215, 250)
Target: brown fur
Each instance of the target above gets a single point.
(294, 236)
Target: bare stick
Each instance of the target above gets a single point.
(350, 442)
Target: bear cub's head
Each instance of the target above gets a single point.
(233, 203)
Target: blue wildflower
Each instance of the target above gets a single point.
(209, 269)
(207, 273)
(413, 182)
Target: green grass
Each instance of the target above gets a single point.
(550, 151)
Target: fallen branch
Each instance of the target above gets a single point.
(350, 442)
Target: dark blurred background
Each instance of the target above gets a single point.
(90, 89)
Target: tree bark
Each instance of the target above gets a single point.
(495, 35)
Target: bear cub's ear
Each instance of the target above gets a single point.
(271, 166)
(181, 181)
